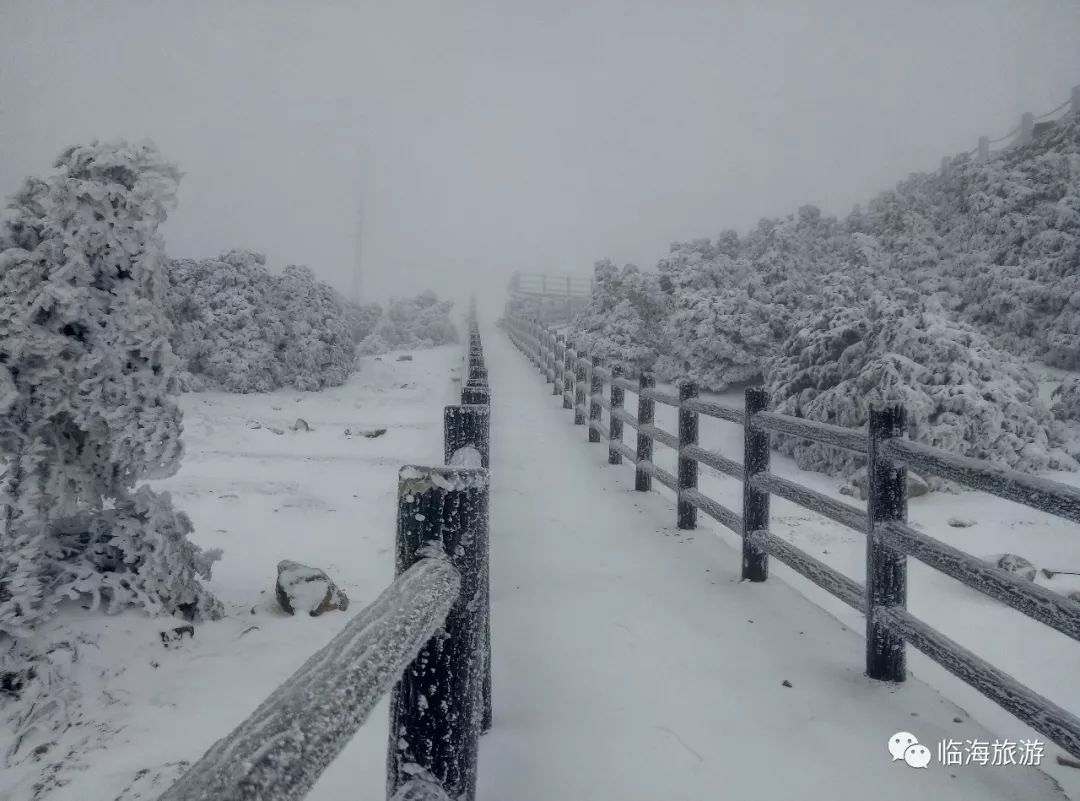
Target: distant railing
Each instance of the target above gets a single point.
(426, 640)
(889, 539)
(1021, 134)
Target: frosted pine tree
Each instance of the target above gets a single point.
(87, 390)
(318, 349)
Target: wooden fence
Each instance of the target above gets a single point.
(580, 381)
(426, 640)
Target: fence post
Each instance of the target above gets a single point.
(615, 427)
(441, 510)
(549, 359)
(579, 389)
(467, 426)
(557, 364)
(755, 562)
(688, 468)
(568, 376)
(596, 386)
(886, 569)
(475, 395)
(470, 426)
(1027, 127)
(645, 412)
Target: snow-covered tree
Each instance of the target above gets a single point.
(422, 321)
(87, 385)
(622, 323)
(241, 328)
(318, 349)
(1067, 400)
(962, 394)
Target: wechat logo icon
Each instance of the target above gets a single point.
(905, 745)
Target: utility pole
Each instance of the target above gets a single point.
(359, 255)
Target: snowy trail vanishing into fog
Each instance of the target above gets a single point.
(630, 662)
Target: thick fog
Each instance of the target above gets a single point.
(453, 143)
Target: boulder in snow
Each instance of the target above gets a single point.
(1017, 565)
(960, 522)
(301, 588)
(405, 357)
(916, 485)
(301, 425)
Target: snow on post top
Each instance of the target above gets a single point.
(418, 479)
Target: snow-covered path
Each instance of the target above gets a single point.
(631, 663)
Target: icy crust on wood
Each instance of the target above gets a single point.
(831, 435)
(622, 449)
(437, 706)
(717, 511)
(1040, 603)
(1039, 493)
(850, 516)
(661, 475)
(659, 435)
(714, 460)
(658, 395)
(1056, 724)
(847, 590)
(416, 480)
(420, 790)
(283, 747)
(710, 409)
(624, 416)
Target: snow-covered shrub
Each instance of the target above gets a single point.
(1067, 400)
(362, 319)
(422, 321)
(622, 323)
(227, 329)
(962, 394)
(241, 328)
(87, 386)
(318, 350)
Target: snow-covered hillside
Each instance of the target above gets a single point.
(264, 490)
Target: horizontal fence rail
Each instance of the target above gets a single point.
(890, 540)
(426, 640)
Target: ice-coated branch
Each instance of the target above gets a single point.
(288, 741)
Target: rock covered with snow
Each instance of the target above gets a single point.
(300, 588)
(857, 485)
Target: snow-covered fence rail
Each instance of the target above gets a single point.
(425, 639)
(890, 540)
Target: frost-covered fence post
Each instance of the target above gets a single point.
(886, 569)
(645, 412)
(688, 468)
(1027, 128)
(579, 389)
(475, 395)
(436, 707)
(549, 355)
(615, 426)
(755, 562)
(568, 376)
(596, 387)
(467, 426)
(560, 379)
(470, 427)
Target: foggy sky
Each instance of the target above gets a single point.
(483, 137)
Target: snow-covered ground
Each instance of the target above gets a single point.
(629, 661)
(316, 497)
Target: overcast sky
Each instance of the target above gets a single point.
(476, 138)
